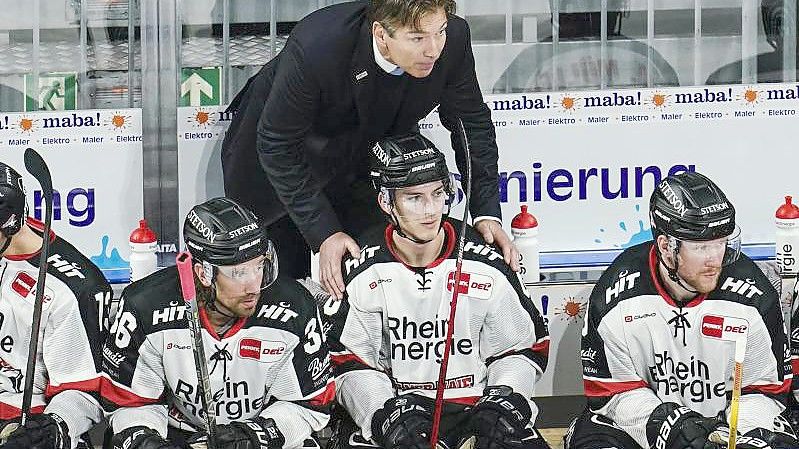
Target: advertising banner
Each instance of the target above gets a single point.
(586, 162)
(95, 159)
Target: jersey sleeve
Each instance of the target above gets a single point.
(132, 386)
(612, 385)
(303, 390)
(767, 371)
(514, 341)
(356, 339)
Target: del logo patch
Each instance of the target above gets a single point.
(472, 284)
(724, 327)
(264, 351)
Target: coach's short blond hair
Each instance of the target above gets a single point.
(394, 14)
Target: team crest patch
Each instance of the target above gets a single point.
(24, 285)
(472, 284)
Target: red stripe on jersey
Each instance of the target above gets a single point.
(325, 397)
(542, 346)
(121, 396)
(344, 358)
(466, 400)
(653, 271)
(605, 389)
(795, 366)
(83, 385)
(10, 412)
(782, 388)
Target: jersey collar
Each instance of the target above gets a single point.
(449, 245)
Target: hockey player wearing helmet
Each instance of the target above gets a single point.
(267, 362)
(659, 335)
(74, 323)
(388, 333)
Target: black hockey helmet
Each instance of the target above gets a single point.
(689, 206)
(13, 208)
(220, 232)
(408, 160)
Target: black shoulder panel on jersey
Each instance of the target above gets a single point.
(628, 276)
(373, 250)
(743, 282)
(89, 286)
(157, 301)
(286, 305)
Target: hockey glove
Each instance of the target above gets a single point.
(256, 433)
(140, 437)
(781, 437)
(403, 422)
(672, 426)
(41, 431)
(501, 420)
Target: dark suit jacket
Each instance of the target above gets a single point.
(302, 124)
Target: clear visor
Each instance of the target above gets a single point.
(422, 202)
(727, 249)
(262, 270)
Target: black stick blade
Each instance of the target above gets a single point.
(38, 168)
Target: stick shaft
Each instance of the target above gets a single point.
(184, 265)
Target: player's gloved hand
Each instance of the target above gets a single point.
(781, 437)
(672, 426)
(403, 422)
(140, 437)
(500, 420)
(256, 433)
(41, 431)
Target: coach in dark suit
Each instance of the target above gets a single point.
(297, 151)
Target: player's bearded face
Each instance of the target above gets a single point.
(238, 287)
(700, 263)
(418, 209)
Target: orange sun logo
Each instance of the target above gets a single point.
(569, 103)
(659, 100)
(118, 121)
(201, 118)
(750, 96)
(572, 309)
(26, 124)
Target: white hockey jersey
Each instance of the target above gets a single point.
(388, 334)
(639, 348)
(274, 364)
(73, 326)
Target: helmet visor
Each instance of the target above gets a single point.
(423, 202)
(262, 269)
(727, 249)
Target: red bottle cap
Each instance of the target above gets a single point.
(524, 220)
(143, 234)
(788, 210)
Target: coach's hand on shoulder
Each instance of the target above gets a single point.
(256, 433)
(403, 422)
(673, 426)
(140, 437)
(41, 431)
(331, 252)
(492, 233)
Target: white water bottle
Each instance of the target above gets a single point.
(143, 246)
(524, 229)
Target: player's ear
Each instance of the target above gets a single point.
(202, 274)
(665, 250)
(384, 201)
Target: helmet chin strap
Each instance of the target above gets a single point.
(673, 275)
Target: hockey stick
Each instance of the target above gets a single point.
(186, 273)
(740, 352)
(442, 371)
(38, 168)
